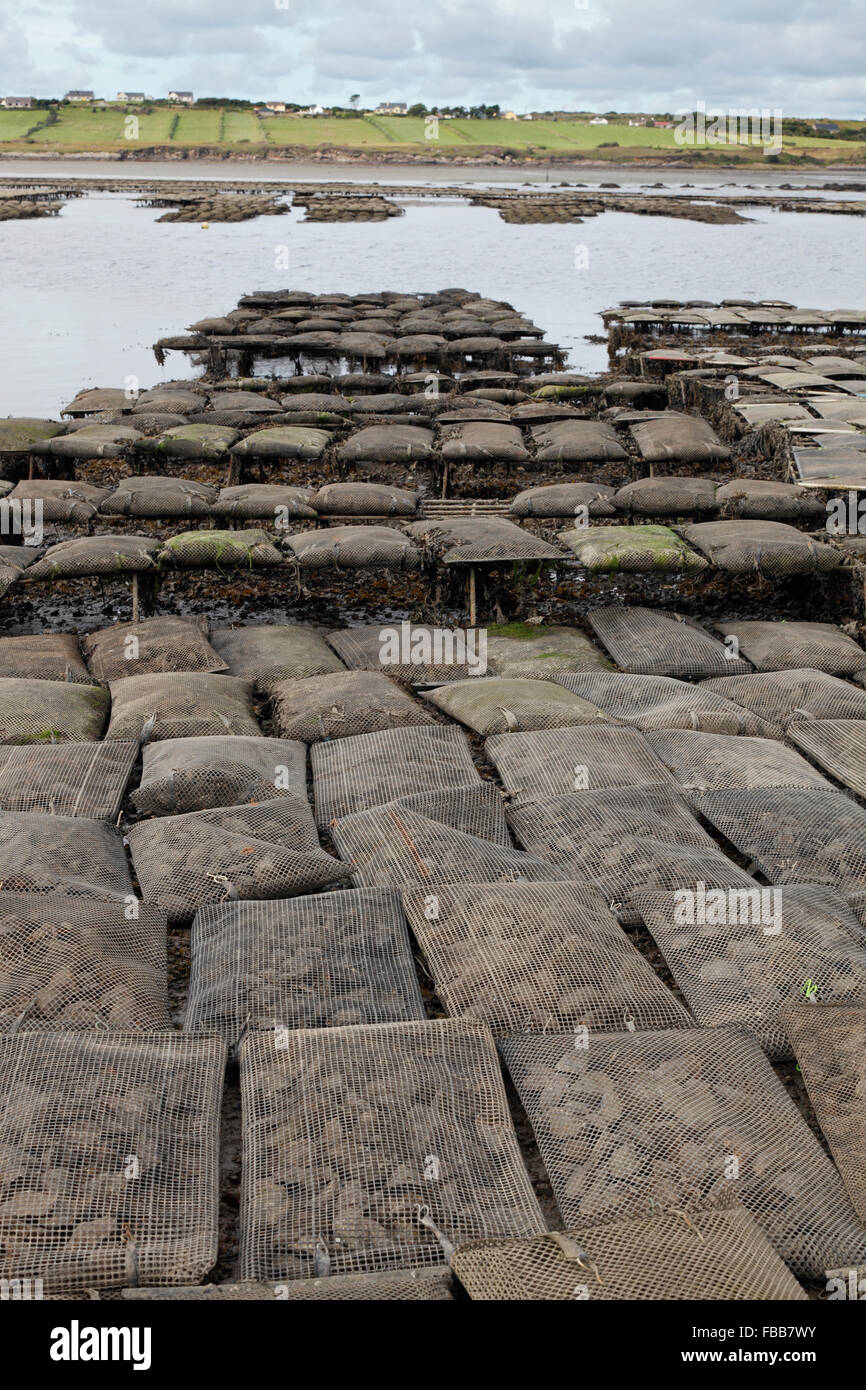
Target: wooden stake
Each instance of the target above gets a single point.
(472, 609)
(135, 598)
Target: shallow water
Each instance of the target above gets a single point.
(86, 294)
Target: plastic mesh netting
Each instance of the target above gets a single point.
(830, 1045)
(389, 1286)
(675, 496)
(481, 540)
(648, 642)
(510, 704)
(157, 495)
(353, 774)
(194, 774)
(529, 956)
(49, 656)
(550, 763)
(632, 549)
(540, 651)
(674, 438)
(330, 960)
(782, 696)
(839, 745)
(354, 547)
(781, 646)
(109, 555)
(765, 547)
(245, 549)
(42, 711)
(66, 779)
(62, 854)
(255, 501)
(343, 704)
(623, 841)
(660, 702)
(794, 836)
(74, 963)
(149, 646)
(717, 762)
(743, 956)
(192, 704)
(365, 499)
(409, 652)
(270, 850)
(704, 1255)
(374, 1148)
(267, 654)
(639, 1120)
(112, 1141)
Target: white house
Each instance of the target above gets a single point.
(131, 98)
(311, 111)
(185, 98)
(78, 96)
(278, 106)
(599, 120)
(16, 103)
(391, 108)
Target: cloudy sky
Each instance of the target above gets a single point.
(807, 57)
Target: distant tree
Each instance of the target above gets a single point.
(354, 99)
(419, 109)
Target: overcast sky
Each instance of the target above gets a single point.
(807, 57)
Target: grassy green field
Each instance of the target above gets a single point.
(82, 128)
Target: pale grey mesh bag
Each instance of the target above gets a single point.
(713, 1253)
(270, 850)
(376, 1147)
(787, 646)
(637, 1121)
(762, 547)
(49, 656)
(780, 697)
(353, 774)
(839, 745)
(649, 642)
(410, 652)
(744, 956)
(545, 956)
(830, 1044)
(660, 702)
(389, 1286)
(99, 555)
(113, 1140)
(46, 711)
(325, 961)
(66, 779)
(624, 841)
(68, 963)
(540, 651)
(62, 854)
(718, 762)
(501, 704)
(195, 774)
(592, 758)
(148, 646)
(794, 836)
(269, 653)
(191, 704)
(353, 547)
(343, 704)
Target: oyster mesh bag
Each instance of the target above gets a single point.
(638, 1121)
(49, 656)
(266, 654)
(781, 697)
(191, 704)
(407, 1285)
(62, 854)
(329, 960)
(66, 779)
(195, 774)
(353, 774)
(47, 711)
(342, 704)
(149, 646)
(648, 642)
(374, 1148)
(553, 762)
(113, 1141)
(661, 702)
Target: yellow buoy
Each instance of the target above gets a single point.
(204, 226)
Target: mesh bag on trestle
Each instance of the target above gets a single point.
(353, 547)
(717, 762)
(245, 549)
(195, 774)
(43, 711)
(565, 499)
(343, 704)
(498, 705)
(590, 758)
(62, 854)
(829, 1041)
(632, 549)
(66, 779)
(674, 438)
(154, 495)
(765, 500)
(536, 956)
(624, 841)
(192, 704)
(787, 646)
(100, 555)
(150, 646)
(660, 702)
(113, 1143)
(257, 501)
(479, 540)
(365, 499)
(792, 835)
(399, 845)
(648, 642)
(839, 745)
(376, 1147)
(779, 697)
(409, 1285)
(68, 962)
(763, 547)
(707, 1254)
(329, 960)
(266, 654)
(49, 656)
(409, 652)
(352, 774)
(270, 850)
(744, 956)
(62, 500)
(638, 1121)
(667, 497)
